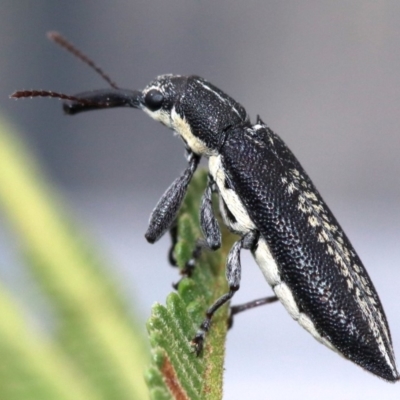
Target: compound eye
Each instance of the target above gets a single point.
(153, 99)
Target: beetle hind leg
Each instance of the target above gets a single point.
(233, 275)
(248, 306)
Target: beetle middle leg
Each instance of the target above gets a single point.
(233, 275)
(208, 221)
(209, 226)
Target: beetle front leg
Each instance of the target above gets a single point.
(233, 275)
(196, 253)
(173, 233)
(166, 210)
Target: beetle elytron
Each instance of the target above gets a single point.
(267, 198)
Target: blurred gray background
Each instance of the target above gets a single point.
(324, 75)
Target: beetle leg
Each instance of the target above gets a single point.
(187, 270)
(200, 245)
(233, 275)
(173, 233)
(247, 306)
(166, 210)
(208, 221)
(252, 304)
(210, 228)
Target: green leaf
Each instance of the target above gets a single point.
(98, 350)
(31, 366)
(176, 372)
(95, 332)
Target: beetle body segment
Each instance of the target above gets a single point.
(267, 198)
(303, 252)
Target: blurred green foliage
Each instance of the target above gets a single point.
(98, 350)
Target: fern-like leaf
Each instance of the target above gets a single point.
(176, 372)
(95, 329)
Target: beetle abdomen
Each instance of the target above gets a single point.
(304, 253)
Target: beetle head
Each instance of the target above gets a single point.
(197, 111)
(201, 114)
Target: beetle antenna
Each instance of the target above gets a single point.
(61, 41)
(20, 94)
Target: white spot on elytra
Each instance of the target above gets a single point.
(313, 221)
